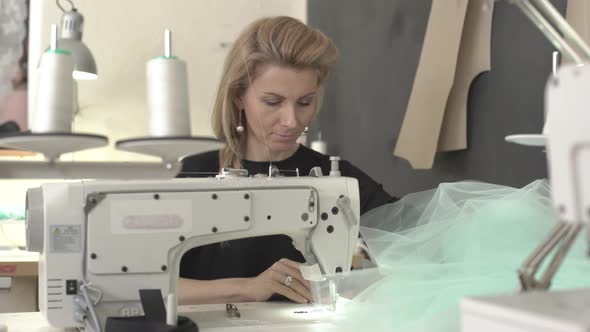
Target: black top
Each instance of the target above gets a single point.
(245, 258)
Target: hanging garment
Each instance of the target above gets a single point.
(474, 58)
(456, 49)
(578, 16)
(418, 136)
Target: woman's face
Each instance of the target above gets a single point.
(279, 104)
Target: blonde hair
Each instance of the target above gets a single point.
(278, 40)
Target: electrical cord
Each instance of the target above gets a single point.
(94, 322)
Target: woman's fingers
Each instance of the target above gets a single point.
(288, 292)
(289, 281)
(291, 268)
(298, 287)
(286, 280)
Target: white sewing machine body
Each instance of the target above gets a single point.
(122, 236)
(568, 149)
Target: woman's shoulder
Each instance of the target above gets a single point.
(202, 162)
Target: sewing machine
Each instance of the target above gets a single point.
(568, 154)
(103, 241)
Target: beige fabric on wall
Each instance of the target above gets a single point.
(418, 137)
(474, 58)
(578, 16)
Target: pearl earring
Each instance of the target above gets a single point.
(240, 128)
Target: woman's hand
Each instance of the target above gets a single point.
(284, 278)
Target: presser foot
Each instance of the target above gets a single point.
(557, 243)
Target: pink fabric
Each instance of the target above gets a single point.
(15, 107)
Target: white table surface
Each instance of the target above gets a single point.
(283, 317)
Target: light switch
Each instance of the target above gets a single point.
(5, 282)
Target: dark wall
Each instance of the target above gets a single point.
(366, 98)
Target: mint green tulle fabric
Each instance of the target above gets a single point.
(12, 213)
(464, 239)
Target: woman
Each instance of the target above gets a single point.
(269, 93)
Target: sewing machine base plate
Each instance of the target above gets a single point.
(552, 311)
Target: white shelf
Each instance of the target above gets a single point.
(87, 170)
(52, 145)
(527, 139)
(170, 149)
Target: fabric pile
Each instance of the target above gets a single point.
(433, 248)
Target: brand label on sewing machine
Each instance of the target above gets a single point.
(135, 216)
(156, 221)
(65, 238)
